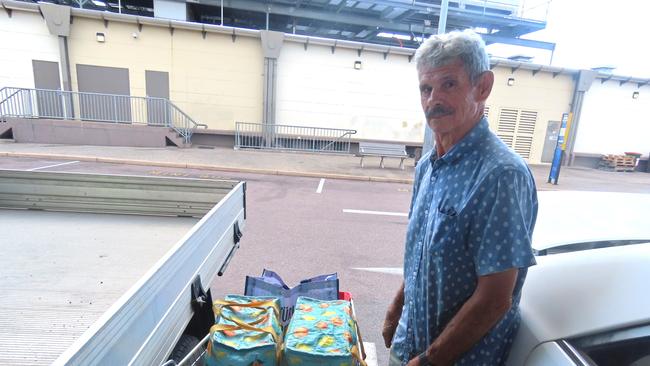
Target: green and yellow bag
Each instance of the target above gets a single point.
(247, 332)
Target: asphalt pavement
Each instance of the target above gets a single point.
(332, 166)
(308, 214)
(300, 227)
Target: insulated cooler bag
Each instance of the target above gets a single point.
(322, 333)
(323, 287)
(247, 332)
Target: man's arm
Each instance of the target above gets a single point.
(392, 317)
(487, 305)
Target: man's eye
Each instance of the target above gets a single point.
(449, 84)
(425, 90)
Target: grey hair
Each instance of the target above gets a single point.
(443, 49)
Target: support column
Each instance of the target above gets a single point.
(271, 45)
(583, 83)
(57, 18)
(442, 28)
(270, 82)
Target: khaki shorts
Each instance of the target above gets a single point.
(393, 360)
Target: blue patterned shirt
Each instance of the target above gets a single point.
(472, 214)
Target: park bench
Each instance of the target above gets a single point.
(383, 151)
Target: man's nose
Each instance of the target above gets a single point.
(432, 99)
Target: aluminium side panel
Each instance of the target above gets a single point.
(144, 325)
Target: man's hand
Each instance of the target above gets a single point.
(392, 317)
(491, 299)
(416, 362)
(390, 325)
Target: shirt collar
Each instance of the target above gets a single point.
(465, 146)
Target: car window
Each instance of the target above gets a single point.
(623, 347)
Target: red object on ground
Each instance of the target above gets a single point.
(345, 295)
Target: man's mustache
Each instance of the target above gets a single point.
(438, 111)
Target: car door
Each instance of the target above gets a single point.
(552, 353)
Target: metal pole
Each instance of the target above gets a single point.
(119, 6)
(552, 54)
(221, 12)
(115, 117)
(65, 73)
(267, 18)
(442, 25)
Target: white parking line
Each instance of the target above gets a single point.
(384, 213)
(320, 186)
(52, 166)
(371, 353)
(388, 270)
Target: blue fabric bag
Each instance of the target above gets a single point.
(323, 287)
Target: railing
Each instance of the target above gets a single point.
(96, 107)
(297, 138)
(524, 9)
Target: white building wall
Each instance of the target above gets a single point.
(612, 122)
(24, 37)
(318, 88)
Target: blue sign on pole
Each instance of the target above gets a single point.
(554, 174)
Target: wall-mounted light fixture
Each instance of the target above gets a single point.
(511, 81)
(635, 95)
(101, 37)
(357, 65)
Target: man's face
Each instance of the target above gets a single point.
(449, 99)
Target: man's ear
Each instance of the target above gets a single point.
(485, 82)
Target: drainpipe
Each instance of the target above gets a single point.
(65, 63)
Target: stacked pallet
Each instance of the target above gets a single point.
(617, 163)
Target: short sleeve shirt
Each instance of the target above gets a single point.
(472, 214)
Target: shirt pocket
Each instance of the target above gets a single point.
(444, 228)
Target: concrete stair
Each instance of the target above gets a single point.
(6, 131)
(173, 138)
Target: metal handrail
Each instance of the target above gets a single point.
(4, 99)
(348, 133)
(97, 107)
(195, 125)
(292, 137)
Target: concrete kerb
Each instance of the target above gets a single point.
(207, 167)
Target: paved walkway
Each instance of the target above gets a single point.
(304, 164)
(224, 159)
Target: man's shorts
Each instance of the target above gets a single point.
(393, 360)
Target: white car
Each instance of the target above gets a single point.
(587, 302)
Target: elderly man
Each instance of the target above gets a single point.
(473, 210)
